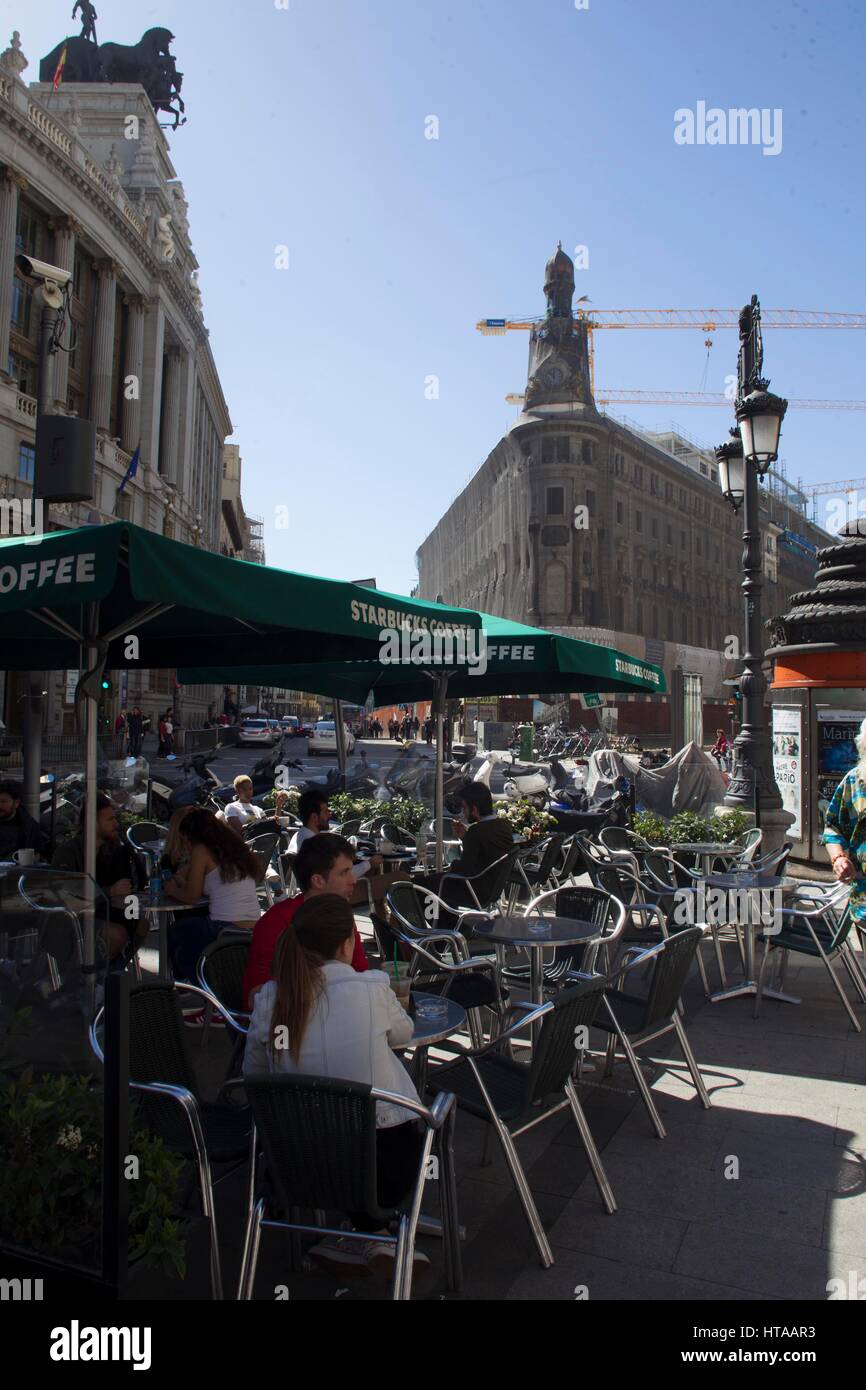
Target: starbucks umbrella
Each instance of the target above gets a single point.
(127, 597)
(514, 659)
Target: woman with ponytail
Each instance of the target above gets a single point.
(319, 1017)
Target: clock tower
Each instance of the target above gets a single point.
(558, 379)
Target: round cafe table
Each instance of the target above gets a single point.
(157, 910)
(752, 882)
(558, 932)
(428, 1031)
(705, 853)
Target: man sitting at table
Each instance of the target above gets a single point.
(243, 812)
(486, 837)
(115, 874)
(18, 829)
(324, 865)
(315, 815)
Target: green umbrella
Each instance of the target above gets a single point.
(519, 660)
(130, 598)
(185, 605)
(516, 659)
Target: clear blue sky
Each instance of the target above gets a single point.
(306, 128)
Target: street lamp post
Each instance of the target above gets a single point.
(753, 447)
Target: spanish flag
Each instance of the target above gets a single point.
(58, 76)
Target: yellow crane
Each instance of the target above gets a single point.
(704, 320)
(625, 396)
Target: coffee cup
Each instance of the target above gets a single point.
(25, 857)
(400, 982)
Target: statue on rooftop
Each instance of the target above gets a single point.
(88, 19)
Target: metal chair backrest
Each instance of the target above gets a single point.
(221, 970)
(144, 831)
(549, 856)
(497, 876)
(616, 837)
(407, 901)
(573, 858)
(350, 827)
(158, 1045)
(585, 904)
(390, 830)
(318, 1136)
(750, 845)
(264, 844)
(554, 1054)
(670, 968)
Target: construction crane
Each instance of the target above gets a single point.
(705, 320)
(851, 489)
(624, 396)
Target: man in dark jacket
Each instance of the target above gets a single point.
(18, 829)
(486, 838)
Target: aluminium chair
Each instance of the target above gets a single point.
(317, 1137)
(513, 1098)
(820, 929)
(161, 1073)
(632, 1021)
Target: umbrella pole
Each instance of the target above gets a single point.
(91, 715)
(441, 696)
(340, 735)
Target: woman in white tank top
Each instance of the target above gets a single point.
(221, 867)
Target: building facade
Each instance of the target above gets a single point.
(87, 184)
(583, 523)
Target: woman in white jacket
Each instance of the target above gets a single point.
(319, 1017)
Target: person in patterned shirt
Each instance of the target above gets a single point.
(845, 830)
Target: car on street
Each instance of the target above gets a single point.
(323, 738)
(290, 725)
(256, 732)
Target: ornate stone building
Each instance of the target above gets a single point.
(581, 522)
(87, 183)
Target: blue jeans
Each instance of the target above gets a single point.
(188, 938)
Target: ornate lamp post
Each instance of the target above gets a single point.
(754, 445)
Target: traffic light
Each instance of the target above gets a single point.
(106, 687)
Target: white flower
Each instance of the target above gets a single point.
(69, 1137)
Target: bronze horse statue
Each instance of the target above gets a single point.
(148, 62)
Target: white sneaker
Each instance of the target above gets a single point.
(341, 1253)
(380, 1256)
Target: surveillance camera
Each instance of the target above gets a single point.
(52, 278)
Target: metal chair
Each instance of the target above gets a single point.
(634, 1020)
(495, 879)
(582, 904)
(220, 971)
(395, 833)
(441, 964)
(161, 1072)
(137, 836)
(819, 930)
(318, 1139)
(514, 1098)
(534, 867)
(264, 848)
(572, 862)
(62, 898)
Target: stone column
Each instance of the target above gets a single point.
(10, 185)
(65, 231)
(103, 346)
(170, 416)
(133, 367)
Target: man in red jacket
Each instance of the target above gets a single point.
(324, 865)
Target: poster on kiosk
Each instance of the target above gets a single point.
(837, 754)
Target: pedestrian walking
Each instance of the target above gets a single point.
(119, 733)
(135, 732)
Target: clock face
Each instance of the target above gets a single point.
(553, 376)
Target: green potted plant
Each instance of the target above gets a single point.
(51, 1194)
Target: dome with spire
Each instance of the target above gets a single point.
(559, 266)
